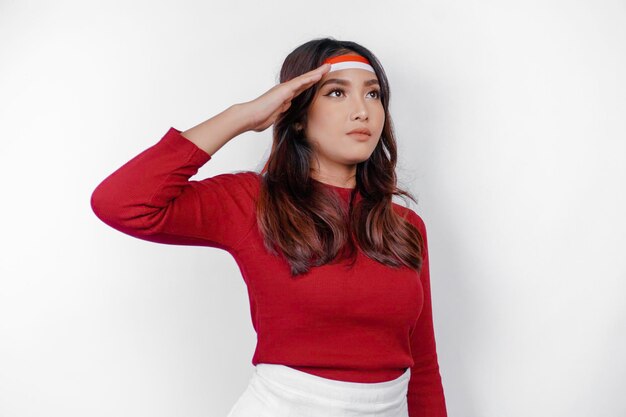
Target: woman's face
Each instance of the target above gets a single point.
(351, 102)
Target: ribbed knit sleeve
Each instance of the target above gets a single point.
(425, 394)
(151, 197)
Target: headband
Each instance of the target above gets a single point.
(348, 61)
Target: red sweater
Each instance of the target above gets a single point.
(365, 324)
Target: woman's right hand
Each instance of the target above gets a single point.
(264, 109)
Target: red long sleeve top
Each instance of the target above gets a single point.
(365, 324)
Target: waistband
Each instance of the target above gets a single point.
(324, 390)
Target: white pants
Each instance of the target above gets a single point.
(280, 391)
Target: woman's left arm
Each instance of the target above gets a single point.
(425, 394)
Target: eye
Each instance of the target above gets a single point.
(375, 91)
(333, 90)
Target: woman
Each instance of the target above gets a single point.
(337, 274)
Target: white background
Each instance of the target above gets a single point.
(510, 118)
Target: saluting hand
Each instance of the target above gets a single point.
(264, 110)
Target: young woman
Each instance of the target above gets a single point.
(337, 274)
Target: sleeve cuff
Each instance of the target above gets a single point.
(174, 139)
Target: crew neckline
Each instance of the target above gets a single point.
(334, 186)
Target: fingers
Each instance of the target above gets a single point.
(288, 90)
(316, 74)
(306, 80)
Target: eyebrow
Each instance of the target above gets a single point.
(341, 81)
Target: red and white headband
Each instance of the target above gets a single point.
(348, 61)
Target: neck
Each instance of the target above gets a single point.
(347, 180)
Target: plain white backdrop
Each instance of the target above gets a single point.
(510, 119)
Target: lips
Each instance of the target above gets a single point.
(361, 137)
(361, 130)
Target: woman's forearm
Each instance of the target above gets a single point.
(215, 132)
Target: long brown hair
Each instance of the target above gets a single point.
(309, 224)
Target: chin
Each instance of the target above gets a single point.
(357, 159)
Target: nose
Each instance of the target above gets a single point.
(360, 110)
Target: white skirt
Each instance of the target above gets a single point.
(280, 391)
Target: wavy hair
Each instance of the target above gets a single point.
(308, 224)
